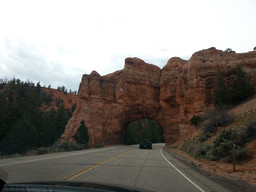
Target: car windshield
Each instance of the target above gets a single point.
(128, 94)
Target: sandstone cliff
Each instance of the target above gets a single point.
(171, 95)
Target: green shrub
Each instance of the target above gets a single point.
(204, 138)
(189, 147)
(67, 146)
(250, 130)
(214, 119)
(209, 127)
(243, 153)
(202, 150)
(42, 150)
(195, 120)
(223, 149)
(224, 145)
(247, 132)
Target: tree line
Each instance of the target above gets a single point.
(240, 90)
(23, 126)
(63, 89)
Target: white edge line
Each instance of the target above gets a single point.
(27, 161)
(199, 188)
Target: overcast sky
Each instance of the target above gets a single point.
(56, 42)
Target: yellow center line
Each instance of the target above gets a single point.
(79, 171)
(82, 171)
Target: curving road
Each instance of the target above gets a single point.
(154, 170)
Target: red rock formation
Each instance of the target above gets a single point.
(170, 96)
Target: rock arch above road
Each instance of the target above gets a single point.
(171, 95)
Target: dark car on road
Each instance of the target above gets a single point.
(145, 144)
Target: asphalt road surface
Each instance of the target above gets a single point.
(154, 170)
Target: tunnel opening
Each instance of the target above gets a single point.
(143, 129)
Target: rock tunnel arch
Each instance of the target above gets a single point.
(144, 128)
(139, 112)
(112, 121)
(109, 103)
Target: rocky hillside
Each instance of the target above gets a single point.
(171, 96)
(201, 151)
(68, 99)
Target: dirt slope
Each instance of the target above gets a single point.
(246, 106)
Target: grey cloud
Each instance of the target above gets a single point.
(27, 62)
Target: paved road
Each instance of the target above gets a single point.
(154, 170)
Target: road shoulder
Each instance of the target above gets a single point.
(228, 180)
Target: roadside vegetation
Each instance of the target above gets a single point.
(81, 138)
(221, 145)
(24, 126)
(225, 136)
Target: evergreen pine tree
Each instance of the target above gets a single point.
(221, 94)
(23, 125)
(81, 135)
(242, 88)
